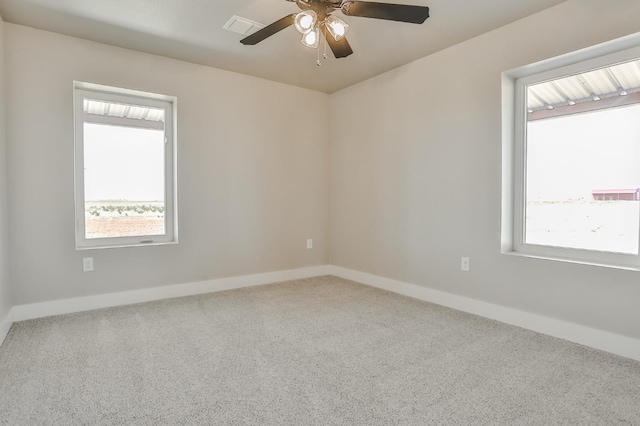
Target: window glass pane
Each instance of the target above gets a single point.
(582, 169)
(124, 181)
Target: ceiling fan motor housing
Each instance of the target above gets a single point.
(323, 8)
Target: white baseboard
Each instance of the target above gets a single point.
(87, 303)
(598, 339)
(5, 325)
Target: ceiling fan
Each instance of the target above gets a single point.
(317, 16)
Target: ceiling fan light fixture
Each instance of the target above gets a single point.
(305, 21)
(312, 38)
(337, 27)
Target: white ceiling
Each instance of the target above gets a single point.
(191, 30)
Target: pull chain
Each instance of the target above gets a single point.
(325, 43)
(324, 55)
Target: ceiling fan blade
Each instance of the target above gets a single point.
(340, 49)
(269, 30)
(388, 11)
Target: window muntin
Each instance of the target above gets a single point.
(577, 147)
(125, 167)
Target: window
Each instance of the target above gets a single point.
(125, 170)
(575, 188)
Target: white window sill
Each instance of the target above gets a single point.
(573, 261)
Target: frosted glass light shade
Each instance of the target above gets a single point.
(311, 38)
(337, 27)
(305, 21)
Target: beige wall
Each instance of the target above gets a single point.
(416, 174)
(5, 293)
(252, 171)
(407, 180)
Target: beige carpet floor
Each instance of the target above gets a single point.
(320, 351)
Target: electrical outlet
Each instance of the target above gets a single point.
(309, 244)
(465, 264)
(87, 264)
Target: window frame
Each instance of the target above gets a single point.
(514, 127)
(82, 90)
